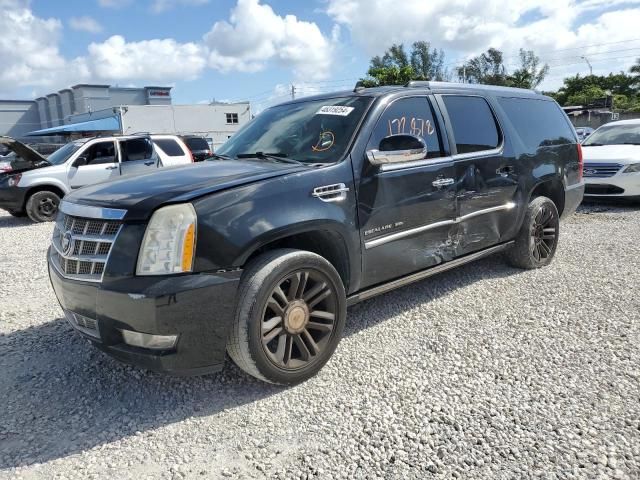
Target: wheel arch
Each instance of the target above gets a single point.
(551, 188)
(321, 239)
(41, 188)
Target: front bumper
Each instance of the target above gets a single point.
(621, 185)
(199, 308)
(12, 198)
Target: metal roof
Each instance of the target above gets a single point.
(109, 124)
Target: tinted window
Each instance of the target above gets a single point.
(99, 153)
(473, 124)
(621, 134)
(411, 116)
(136, 149)
(169, 146)
(539, 123)
(196, 143)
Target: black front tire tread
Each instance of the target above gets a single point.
(519, 255)
(253, 279)
(32, 206)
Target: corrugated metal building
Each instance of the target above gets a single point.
(84, 110)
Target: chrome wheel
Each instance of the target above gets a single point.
(543, 234)
(298, 319)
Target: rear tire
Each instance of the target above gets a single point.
(43, 206)
(289, 318)
(536, 243)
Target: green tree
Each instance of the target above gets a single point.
(530, 74)
(586, 96)
(487, 68)
(397, 67)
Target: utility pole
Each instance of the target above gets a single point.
(293, 92)
(588, 63)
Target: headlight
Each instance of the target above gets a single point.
(14, 180)
(635, 168)
(169, 242)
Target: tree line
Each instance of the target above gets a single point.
(397, 66)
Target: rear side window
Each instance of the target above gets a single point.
(170, 147)
(539, 122)
(473, 124)
(136, 149)
(196, 143)
(411, 116)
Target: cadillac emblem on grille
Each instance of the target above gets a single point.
(66, 243)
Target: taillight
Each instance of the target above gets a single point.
(580, 163)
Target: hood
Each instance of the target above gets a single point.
(140, 195)
(25, 157)
(621, 154)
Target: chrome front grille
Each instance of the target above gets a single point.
(81, 246)
(601, 170)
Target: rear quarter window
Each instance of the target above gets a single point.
(539, 123)
(196, 143)
(474, 127)
(170, 147)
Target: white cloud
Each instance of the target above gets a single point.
(159, 60)
(29, 52)
(471, 26)
(85, 24)
(159, 6)
(256, 35)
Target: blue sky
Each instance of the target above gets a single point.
(255, 49)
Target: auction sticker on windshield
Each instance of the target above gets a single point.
(335, 110)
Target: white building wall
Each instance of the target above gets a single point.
(209, 121)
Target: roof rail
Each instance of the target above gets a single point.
(471, 86)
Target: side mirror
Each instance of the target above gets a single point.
(80, 161)
(397, 149)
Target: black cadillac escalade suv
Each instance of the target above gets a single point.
(315, 205)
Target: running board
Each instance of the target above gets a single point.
(415, 277)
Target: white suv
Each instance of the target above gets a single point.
(34, 184)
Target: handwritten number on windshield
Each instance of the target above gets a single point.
(417, 126)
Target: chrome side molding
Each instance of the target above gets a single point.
(88, 211)
(421, 275)
(423, 228)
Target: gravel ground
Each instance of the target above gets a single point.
(481, 372)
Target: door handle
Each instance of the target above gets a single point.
(443, 182)
(505, 171)
(112, 167)
(149, 162)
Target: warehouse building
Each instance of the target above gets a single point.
(87, 110)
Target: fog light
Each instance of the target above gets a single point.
(146, 340)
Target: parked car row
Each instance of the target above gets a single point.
(33, 184)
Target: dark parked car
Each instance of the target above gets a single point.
(324, 202)
(199, 147)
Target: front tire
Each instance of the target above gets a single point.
(43, 206)
(536, 243)
(290, 316)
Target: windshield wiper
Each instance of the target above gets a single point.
(630, 143)
(220, 156)
(593, 144)
(278, 157)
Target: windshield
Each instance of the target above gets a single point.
(615, 135)
(63, 153)
(315, 131)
